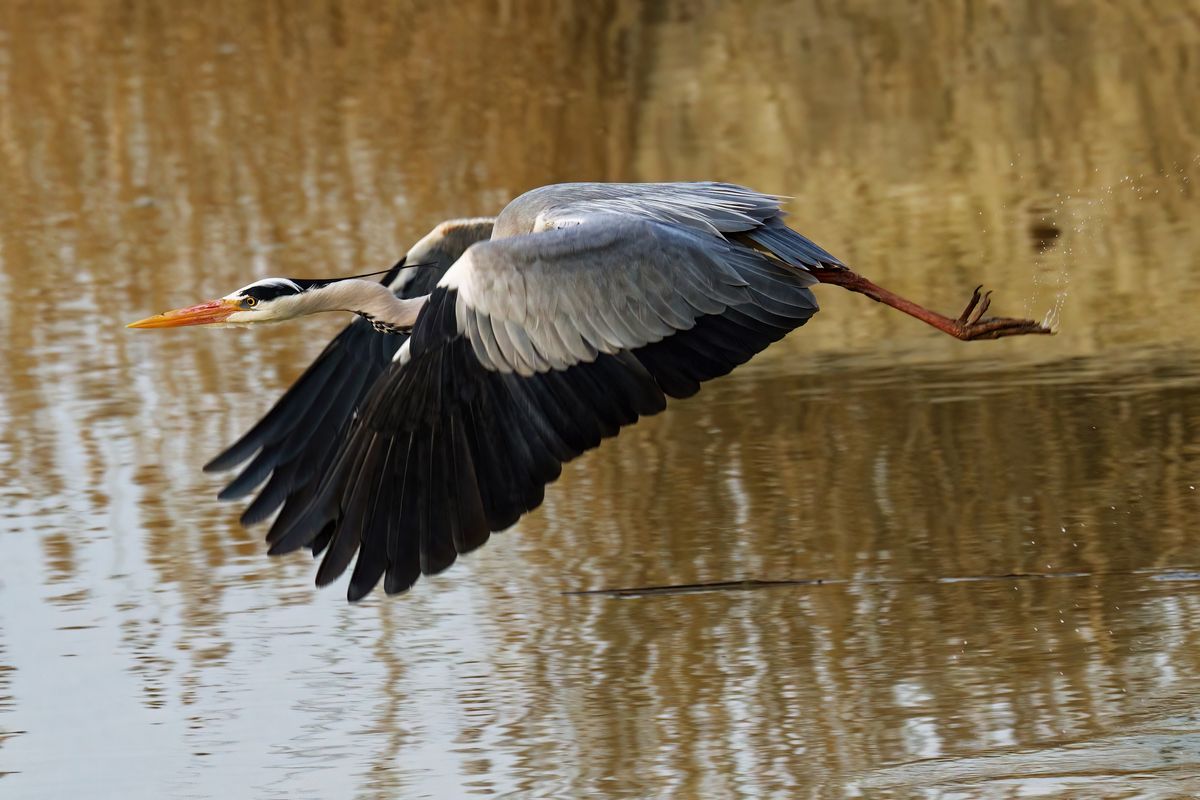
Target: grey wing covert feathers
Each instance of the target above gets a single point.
(295, 442)
(589, 306)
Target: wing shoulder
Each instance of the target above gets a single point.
(601, 284)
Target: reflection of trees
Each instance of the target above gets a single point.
(949, 459)
(844, 671)
(153, 152)
(326, 137)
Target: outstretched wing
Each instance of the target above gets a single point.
(532, 349)
(295, 442)
(732, 211)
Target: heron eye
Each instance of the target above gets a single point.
(250, 302)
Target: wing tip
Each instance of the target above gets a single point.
(229, 458)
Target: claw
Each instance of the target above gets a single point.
(972, 324)
(975, 296)
(984, 304)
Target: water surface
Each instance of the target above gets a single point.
(977, 564)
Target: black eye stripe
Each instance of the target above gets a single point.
(274, 288)
(264, 293)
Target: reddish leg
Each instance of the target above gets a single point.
(971, 324)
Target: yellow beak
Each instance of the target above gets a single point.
(203, 314)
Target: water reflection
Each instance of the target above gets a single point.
(153, 153)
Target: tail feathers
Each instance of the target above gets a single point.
(791, 247)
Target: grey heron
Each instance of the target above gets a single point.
(439, 416)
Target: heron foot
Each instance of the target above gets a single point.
(972, 324)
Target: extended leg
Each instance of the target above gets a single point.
(971, 324)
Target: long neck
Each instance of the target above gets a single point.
(368, 299)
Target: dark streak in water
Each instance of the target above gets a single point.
(745, 585)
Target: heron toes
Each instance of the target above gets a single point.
(999, 327)
(973, 325)
(980, 301)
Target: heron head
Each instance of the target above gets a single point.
(267, 300)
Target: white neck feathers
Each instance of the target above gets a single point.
(367, 298)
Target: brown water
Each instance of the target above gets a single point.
(992, 547)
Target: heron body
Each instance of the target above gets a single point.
(534, 336)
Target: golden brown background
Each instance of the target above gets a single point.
(156, 153)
